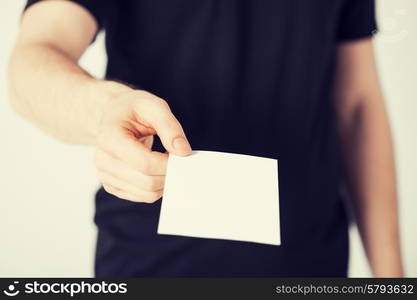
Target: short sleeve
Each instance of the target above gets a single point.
(357, 20)
(95, 7)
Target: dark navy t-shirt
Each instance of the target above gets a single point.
(242, 76)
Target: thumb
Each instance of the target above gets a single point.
(180, 146)
(169, 129)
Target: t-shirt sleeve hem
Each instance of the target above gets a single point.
(357, 35)
(86, 5)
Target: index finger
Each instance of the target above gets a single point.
(124, 146)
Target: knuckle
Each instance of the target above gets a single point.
(109, 189)
(162, 103)
(154, 196)
(152, 100)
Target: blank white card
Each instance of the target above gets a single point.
(223, 196)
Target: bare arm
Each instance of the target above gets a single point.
(49, 88)
(46, 84)
(368, 151)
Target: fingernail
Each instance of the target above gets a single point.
(181, 144)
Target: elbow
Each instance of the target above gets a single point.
(347, 107)
(355, 106)
(16, 101)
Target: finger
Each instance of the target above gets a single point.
(120, 194)
(125, 146)
(119, 188)
(107, 163)
(158, 115)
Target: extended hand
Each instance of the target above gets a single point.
(126, 164)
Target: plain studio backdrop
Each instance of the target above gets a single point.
(47, 187)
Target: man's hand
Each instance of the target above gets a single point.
(127, 166)
(49, 88)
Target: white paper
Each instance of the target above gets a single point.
(221, 195)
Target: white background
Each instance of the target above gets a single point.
(47, 187)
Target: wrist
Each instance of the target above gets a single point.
(103, 92)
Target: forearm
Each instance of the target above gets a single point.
(49, 88)
(369, 161)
